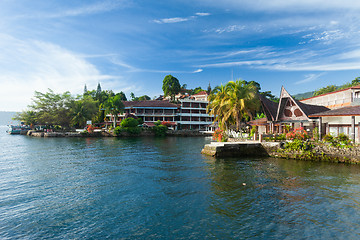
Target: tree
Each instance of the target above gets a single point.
(327, 89)
(196, 90)
(52, 108)
(85, 89)
(232, 102)
(83, 110)
(171, 86)
(28, 117)
(98, 94)
(209, 89)
(114, 106)
(132, 96)
(356, 81)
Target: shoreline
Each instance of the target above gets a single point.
(177, 133)
(321, 152)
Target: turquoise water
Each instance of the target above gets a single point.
(163, 188)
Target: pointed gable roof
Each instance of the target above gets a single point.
(269, 107)
(288, 109)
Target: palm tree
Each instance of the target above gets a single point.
(217, 104)
(242, 101)
(114, 106)
(230, 103)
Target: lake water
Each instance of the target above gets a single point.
(163, 188)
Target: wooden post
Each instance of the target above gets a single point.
(320, 128)
(353, 128)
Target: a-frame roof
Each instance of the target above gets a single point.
(288, 109)
(269, 108)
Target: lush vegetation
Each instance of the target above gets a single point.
(233, 102)
(341, 141)
(171, 86)
(67, 111)
(160, 128)
(332, 88)
(129, 125)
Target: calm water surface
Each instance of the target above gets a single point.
(163, 188)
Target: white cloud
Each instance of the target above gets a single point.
(28, 65)
(198, 70)
(326, 37)
(286, 5)
(87, 9)
(202, 14)
(310, 78)
(231, 28)
(173, 20)
(180, 19)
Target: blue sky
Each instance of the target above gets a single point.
(131, 45)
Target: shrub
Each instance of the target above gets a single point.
(90, 129)
(160, 130)
(219, 135)
(298, 133)
(253, 130)
(129, 122)
(298, 145)
(341, 141)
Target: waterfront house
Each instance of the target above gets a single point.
(287, 112)
(334, 113)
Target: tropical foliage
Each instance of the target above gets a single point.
(233, 102)
(171, 86)
(67, 111)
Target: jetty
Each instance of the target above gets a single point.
(240, 149)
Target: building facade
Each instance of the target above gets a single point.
(189, 114)
(334, 113)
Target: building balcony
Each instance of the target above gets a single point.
(194, 122)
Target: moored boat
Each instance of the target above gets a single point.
(18, 129)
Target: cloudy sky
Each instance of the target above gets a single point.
(131, 45)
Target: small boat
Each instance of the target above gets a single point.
(18, 129)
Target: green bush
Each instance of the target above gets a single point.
(159, 130)
(341, 141)
(129, 122)
(128, 125)
(298, 145)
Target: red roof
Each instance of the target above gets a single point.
(200, 93)
(354, 87)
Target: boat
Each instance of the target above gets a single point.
(18, 129)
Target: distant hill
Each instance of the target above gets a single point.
(6, 118)
(303, 95)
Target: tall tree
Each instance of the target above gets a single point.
(232, 102)
(171, 86)
(98, 93)
(114, 106)
(85, 89)
(52, 108)
(82, 110)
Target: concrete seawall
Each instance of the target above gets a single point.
(240, 149)
(321, 152)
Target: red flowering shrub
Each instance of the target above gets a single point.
(219, 135)
(166, 123)
(297, 133)
(90, 128)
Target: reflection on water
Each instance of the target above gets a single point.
(163, 188)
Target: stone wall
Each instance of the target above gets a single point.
(321, 151)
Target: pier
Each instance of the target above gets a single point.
(240, 149)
